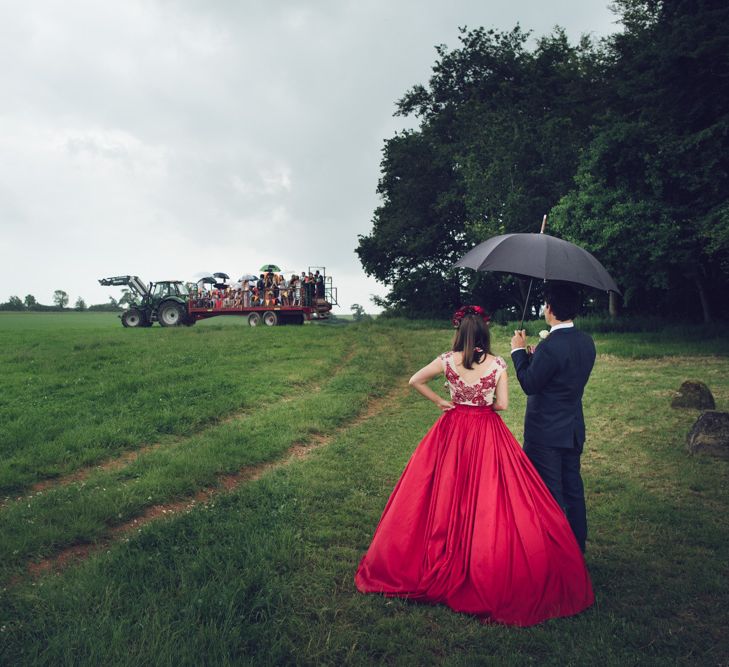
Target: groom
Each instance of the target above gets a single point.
(554, 378)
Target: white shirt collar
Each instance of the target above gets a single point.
(564, 325)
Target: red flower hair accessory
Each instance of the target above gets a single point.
(469, 310)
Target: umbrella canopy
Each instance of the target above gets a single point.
(539, 256)
(221, 275)
(270, 267)
(248, 276)
(202, 274)
(209, 280)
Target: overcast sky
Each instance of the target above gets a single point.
(163, 138)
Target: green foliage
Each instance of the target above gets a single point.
(104, 307)
(30, 301)
(13, 303)
(358, 313)
(60, 298)
(413, 242)
(111, 306)
(624, 143)
(127, 298)
(500, 133)
(80, 304)
(652, 190)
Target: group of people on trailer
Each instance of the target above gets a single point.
(269, 290)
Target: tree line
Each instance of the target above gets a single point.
(623, 142)
(60, 303)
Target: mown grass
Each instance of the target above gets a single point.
(74, 395)
(37, 525)
(264, 575)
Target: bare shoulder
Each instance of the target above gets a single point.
(494, 359)
(497, 361)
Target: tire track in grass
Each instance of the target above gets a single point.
(225, 484)
(345, 397)
(125, 459)
(119, 462)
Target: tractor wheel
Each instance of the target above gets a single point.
(171, 314)
(133, 318)
(254, 319)
(270, 319)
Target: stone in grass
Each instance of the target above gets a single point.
(693, 394)
(710, 435)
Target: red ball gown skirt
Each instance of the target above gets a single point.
(470, 524)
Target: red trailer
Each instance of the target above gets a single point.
(307, 308)
(267, 315)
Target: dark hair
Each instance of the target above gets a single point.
(564, 300)
(472, 333)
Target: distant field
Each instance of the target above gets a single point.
(242, 562)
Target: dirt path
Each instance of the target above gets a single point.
(225, 484)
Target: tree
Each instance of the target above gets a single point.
(501, 129)
(60, 298)
(126, 298)
(80, 304)
(30, 301)
(359, 312)
(13, 303)
(410, 247)
(652, 190)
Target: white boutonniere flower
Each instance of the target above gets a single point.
(543, 334)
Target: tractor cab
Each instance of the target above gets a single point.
(164, 288)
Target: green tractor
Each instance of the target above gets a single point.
(164, 302)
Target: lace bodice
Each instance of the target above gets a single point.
(472, 393)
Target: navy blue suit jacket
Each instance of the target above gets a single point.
(554, 379)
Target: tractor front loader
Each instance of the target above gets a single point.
(164, 302)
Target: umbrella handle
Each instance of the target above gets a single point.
(529, 291)
(526, 302)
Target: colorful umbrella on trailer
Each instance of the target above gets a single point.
(272, 268)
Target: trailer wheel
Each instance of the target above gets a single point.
(132, 318)
(171, 314)
(254, 319)
(270, 319)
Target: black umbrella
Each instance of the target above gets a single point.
(221, 275)
(538, 256)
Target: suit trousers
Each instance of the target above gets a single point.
(559, 468)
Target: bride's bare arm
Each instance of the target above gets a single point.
(423, 376)
(501, 395)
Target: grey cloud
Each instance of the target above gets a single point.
(225, 134)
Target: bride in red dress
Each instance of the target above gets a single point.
(470, 523)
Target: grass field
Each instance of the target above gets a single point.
(101, 426)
